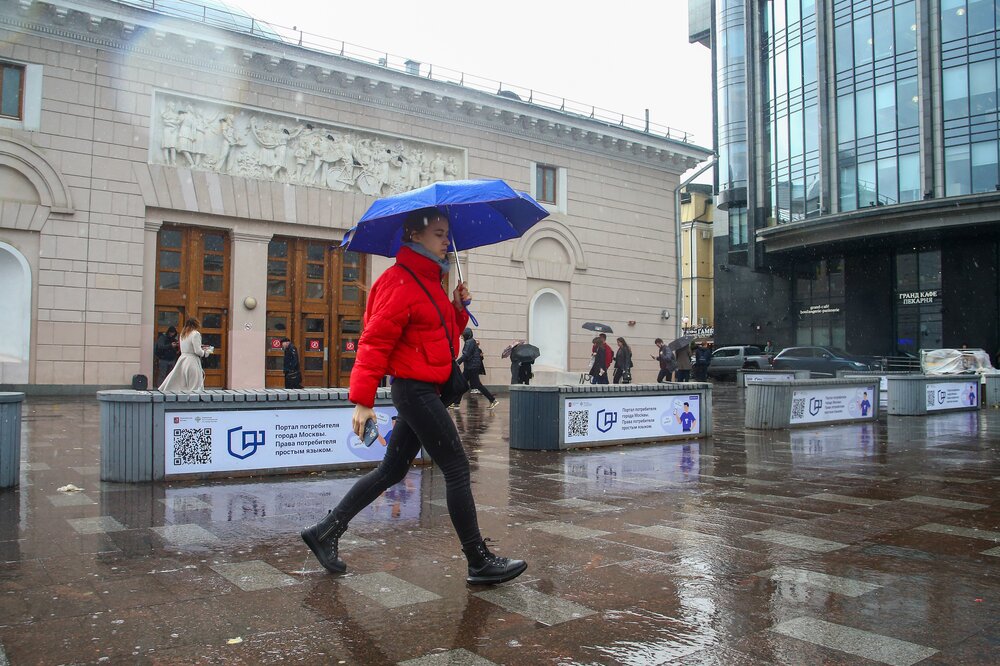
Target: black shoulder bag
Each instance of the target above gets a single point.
(456, 385)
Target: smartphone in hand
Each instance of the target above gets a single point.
(370, 433)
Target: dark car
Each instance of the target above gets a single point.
(823, 361)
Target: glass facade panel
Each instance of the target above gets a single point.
(984, 167)
(982, 87)
(958, 179)
(848, 188)
(906, 27)
(864, 109)
(844, 47)
(955, 92)
(952, 20)
(907, 103)
(862, 40)
(887, 182)
(883, 34)
(867, 192)
(885, 108)
(909, 177)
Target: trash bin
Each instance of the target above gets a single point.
(10, 438)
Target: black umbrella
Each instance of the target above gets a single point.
(597, 328)
(681, 343)
(524, 353)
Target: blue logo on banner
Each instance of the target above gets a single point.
(815, 405)
(250, 441)
(606, 420)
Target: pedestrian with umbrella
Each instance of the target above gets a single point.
(411, 330)
(683, 372)
(522, 356)
(599, 365)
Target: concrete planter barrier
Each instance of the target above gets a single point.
(10, 439)
(745, 377)
(149, 436)
(991, 391)
(550, 418)
(883, 386)
(920, 395)
(809, 402)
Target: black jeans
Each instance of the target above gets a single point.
(683, 375)
(423, 419)
(473, 377)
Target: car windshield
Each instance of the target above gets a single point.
(840, 353)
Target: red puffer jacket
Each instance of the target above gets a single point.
(402, 333)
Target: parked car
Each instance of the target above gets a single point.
(727, 360)
(823, 361)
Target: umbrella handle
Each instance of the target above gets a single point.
(472, 318)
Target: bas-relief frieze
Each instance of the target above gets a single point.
(249, 143)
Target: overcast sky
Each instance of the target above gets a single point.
(626, 56)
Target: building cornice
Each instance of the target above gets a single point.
(127, 29)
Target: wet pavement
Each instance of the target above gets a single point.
(857, 544)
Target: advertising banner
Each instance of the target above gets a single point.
(837, 403)
(952, 395)
(229, 441)
(764, 377)
(630, 418)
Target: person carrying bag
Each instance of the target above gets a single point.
(409, 333)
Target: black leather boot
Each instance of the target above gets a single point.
(485, 568)
(322, 539)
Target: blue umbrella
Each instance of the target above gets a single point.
(480, 212)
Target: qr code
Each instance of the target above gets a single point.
(579, 423)
(798, 408)
(930, 398)
(192, 446)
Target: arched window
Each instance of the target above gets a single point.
(15, 325)
(548, 329)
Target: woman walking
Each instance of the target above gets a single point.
(472, 359)
(188, 375)
(409, 327)
(599, 363)
(623, 363)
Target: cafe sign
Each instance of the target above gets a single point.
(819, 309)
(918, 297)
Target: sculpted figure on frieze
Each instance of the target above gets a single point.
(269, 146)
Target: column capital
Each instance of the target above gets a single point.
(247, 237)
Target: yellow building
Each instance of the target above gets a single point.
(697, 273)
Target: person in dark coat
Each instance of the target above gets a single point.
(667, 360)
(520, 371)
(293, 374)
(599, 366)
(472, 362)
(166, 350)
(702, 359)
(623, 363)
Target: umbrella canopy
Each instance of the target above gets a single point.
(480, 212)
(525, 353)
(681, 343)
(597, 328)
(510, 348)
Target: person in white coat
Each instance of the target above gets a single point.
(188, 374)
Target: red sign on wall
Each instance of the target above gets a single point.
(349, 345)
(275, 343)
(314, 345)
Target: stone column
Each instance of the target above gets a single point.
(147, 335)
(247, 327)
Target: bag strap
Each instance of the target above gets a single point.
(443, 325)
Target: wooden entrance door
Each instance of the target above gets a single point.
(192, 280)
(310, 289)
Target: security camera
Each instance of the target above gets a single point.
(665, 314)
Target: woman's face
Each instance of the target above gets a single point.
(434, 237)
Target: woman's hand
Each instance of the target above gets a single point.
(461, 296)
(360, 417)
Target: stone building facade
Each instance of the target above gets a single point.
(158, 168)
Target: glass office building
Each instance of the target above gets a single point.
(857, 180)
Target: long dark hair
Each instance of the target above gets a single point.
(624, 344)
(190, 326)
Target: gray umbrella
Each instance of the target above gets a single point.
(681, 343)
